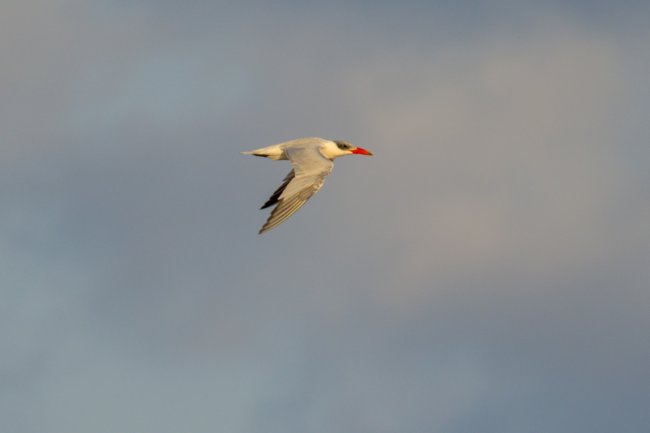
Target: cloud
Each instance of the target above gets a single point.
(485, 266)
(496, 154)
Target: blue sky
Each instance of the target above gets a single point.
(487, 270)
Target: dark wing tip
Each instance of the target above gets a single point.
(276, 195)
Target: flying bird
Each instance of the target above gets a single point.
(311, 159)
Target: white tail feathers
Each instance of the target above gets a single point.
(273, 152)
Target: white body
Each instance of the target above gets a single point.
(327, 148)
(311, 159)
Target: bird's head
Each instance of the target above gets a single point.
(345, 148)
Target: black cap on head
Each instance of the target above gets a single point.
(343, 145)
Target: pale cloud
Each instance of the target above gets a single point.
(494, 154)
(489, 260)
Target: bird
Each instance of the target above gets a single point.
(311, 159)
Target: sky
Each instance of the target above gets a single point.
(487, 270)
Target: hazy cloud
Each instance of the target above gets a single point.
(487, 269)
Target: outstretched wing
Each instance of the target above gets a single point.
(310, 168)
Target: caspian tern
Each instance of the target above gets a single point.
(311, 159)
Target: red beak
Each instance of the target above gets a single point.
(361, 151)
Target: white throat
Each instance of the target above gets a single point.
(330, 150)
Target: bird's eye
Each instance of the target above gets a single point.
(343, 146)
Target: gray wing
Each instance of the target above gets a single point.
(308, 175)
